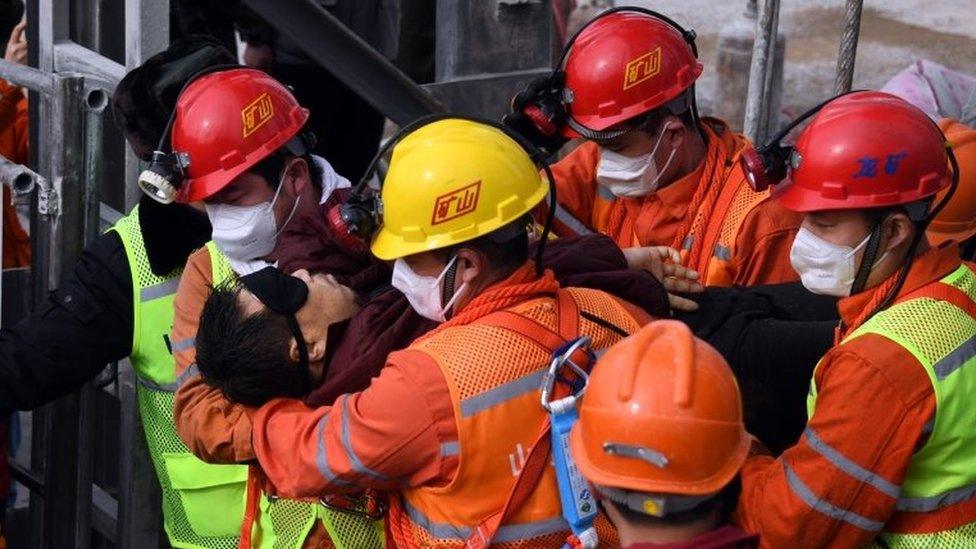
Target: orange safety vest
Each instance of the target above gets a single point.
(717, 219)
(494, 370)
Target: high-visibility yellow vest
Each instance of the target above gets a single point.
(203, 504)
(942, 337)
(286, 523)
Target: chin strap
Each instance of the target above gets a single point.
(870, 253)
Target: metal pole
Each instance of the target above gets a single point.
(761, 64)
(28, 77)
(848, 47)
(767, 95)
(146, 33)
(336, 48)
(63, 236)
(21, 179)
(94, 106)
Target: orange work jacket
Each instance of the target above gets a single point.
(492, 368)
(725, 230)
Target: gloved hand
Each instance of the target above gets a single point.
(538, 112)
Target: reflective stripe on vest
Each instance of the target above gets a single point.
(202, 504)
(286, 523)
(942, 338)
(494, 376)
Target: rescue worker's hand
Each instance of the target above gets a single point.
(538, 113)
(665, 264)
(17, 45)
(258, 56)
(328, 301)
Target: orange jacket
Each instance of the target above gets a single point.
(873, 403)
(743, 237)
(403, 433)
(13, 145)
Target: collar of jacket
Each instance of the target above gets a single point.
(171, 232)
(520, 286)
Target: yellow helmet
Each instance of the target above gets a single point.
(452, 181)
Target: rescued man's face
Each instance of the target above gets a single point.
(328, 302)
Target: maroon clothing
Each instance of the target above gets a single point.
(308, 243)
(726, 537)
(386, 322)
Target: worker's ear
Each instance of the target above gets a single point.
(297, 175)
(471, 265)
(316, 350)
(674, 132)
(896, 232)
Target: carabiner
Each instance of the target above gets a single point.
(562, 357)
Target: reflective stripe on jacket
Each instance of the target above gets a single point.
(203, 504)
(842, 483)
(494, 375)
(937, 326)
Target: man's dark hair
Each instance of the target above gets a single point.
(506, 248)
(721, 506)
(246, 357)
(271, 167)
(650, 122)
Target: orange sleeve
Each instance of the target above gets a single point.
(838, 485)
(212, 427)
(10, 98)
(398, 431)
(575, 177)
(763, 246)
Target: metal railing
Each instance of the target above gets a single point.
(70, 90)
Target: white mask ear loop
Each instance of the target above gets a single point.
(864, 243)
(667, 164)
(440, 280)
(281, 183)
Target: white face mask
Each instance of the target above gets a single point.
(631, 176)
(424, 292)
(247, 233)
(825, 268)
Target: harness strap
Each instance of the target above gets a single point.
(567, 321)
(251, 507)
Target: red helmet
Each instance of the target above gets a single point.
(228, 121)
(625, 64)
(865, 150)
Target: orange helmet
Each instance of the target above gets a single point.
(957, 220)
(228, 121)
(661, 414)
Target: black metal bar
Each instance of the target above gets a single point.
(139, 514)
(31, 480)
(330, 44)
